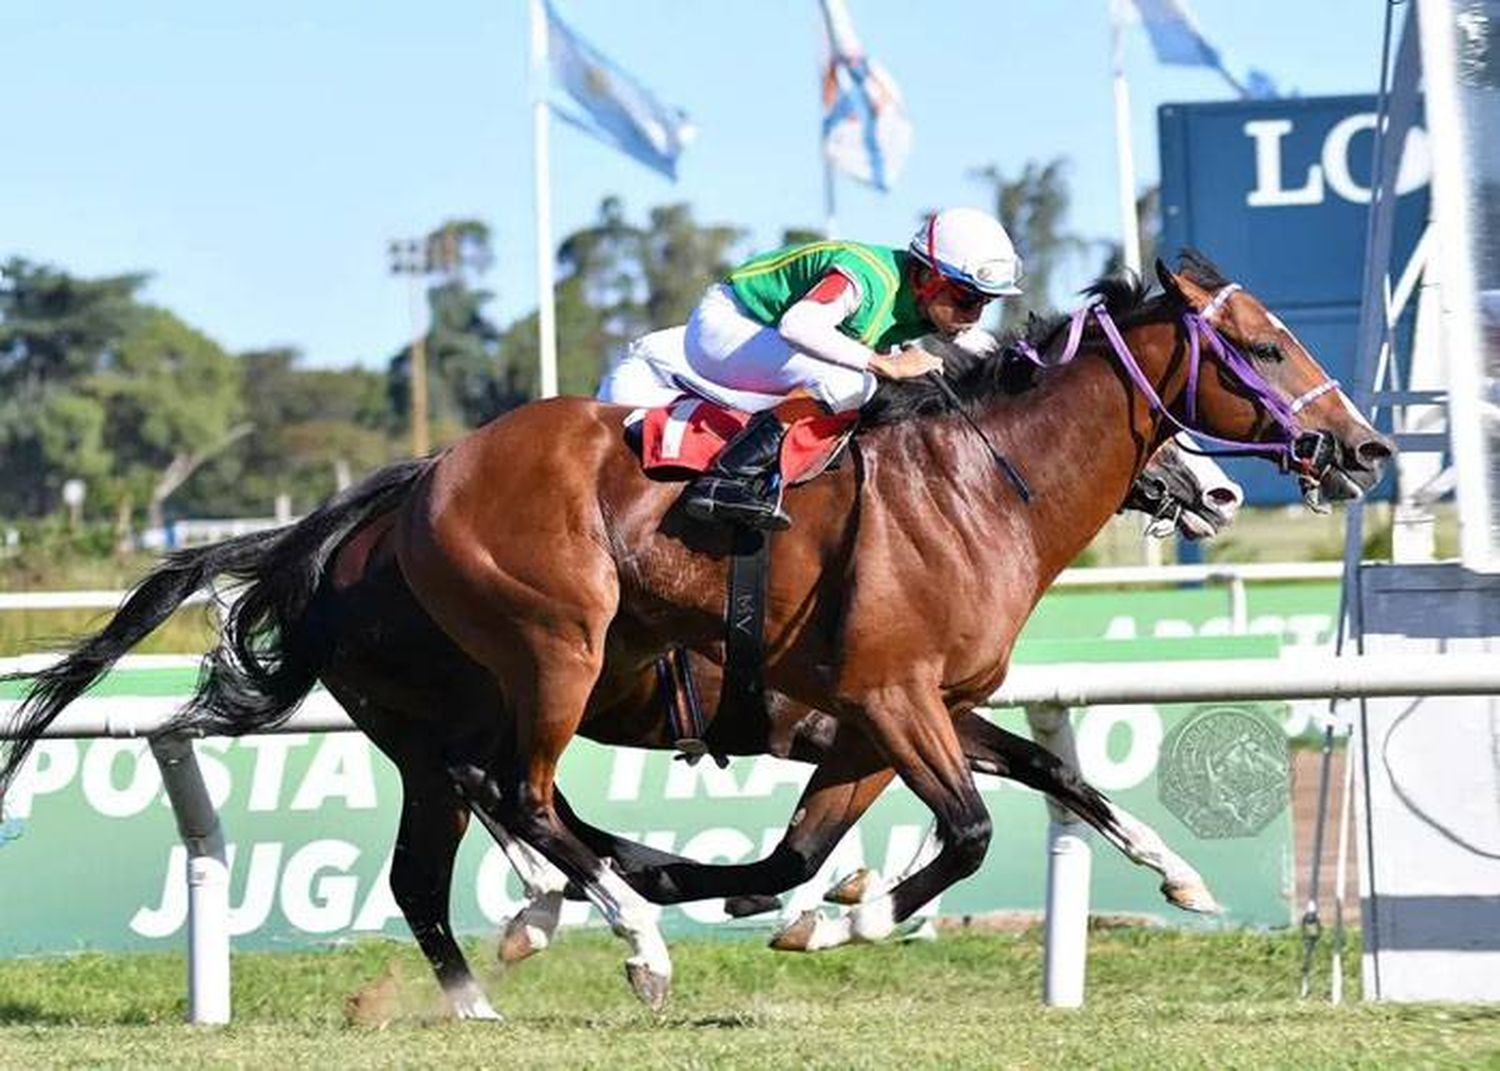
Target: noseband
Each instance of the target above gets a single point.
(1308, 453)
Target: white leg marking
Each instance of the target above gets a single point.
(469, 1002)
(631, 917)
(531, 929)
(1182, 884)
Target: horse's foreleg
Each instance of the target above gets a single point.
(916, 735)
(841, 789)
(991, 749)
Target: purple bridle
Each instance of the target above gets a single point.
(1199, 326)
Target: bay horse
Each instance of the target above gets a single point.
(243, 692)
(324, 598)
(541, 549)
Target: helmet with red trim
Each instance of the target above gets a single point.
(970, 248)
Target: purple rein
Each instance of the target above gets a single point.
(1198, 327)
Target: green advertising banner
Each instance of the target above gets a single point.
(90, 858)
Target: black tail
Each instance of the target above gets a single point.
(270, 649)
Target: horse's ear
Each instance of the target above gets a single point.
(1168, 280)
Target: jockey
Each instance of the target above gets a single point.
(819, 323)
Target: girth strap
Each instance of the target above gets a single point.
(742, 697)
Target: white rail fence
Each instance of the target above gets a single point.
(1046, 692)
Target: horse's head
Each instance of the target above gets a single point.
(1185, 493)
(1333, 450)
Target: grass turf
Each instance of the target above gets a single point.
(1156, 999)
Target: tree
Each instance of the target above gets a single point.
(314, 430)
(619, 281)
(54, 329)
(171, 398)
(679, 260)
(1033, 207)
(462, 346)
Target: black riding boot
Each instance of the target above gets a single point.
(744, 485)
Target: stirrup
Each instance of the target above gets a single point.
(726, 500)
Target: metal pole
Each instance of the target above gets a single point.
(207, 877)
(1130, 231)
(412, 258)
(1069, 866)
(1341, 875)
(546, 311)
(420, 438)
(1239, 607)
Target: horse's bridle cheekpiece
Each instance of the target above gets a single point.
(1306, 452)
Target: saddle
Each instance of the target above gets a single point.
(682, 439)
(676, 442)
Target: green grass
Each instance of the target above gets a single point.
(1156, 1000)
(29, 631)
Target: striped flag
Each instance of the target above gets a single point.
(617, 109)
(865, 130)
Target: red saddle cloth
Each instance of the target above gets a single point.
(682, 439)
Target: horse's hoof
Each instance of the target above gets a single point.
(518, 942)
(796, 935)
(851, 890)
(472, 1007)
(737, 907)
(652, 988)
(1191, 896)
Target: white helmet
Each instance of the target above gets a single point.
(969, 247)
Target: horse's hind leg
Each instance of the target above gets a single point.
(991, 749)
(433, 819)
(554, 686)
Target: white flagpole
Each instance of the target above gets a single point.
(1130, 228)
(1130, 232)
(540, 126)
(830, 225)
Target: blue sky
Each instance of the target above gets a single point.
(257, 157)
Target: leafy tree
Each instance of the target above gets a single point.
(619, 281)
(314, 430)
(1033, 206)
(171, 397)
(462, 346)
(54, 329)
(679, 260)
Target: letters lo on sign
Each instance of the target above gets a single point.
(1280, 183)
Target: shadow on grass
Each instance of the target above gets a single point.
(13, 1013)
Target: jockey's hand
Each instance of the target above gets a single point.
(908, 362)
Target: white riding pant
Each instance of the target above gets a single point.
(725, 345)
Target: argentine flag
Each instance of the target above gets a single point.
(617, 109)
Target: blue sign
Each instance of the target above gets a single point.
(1277, 193)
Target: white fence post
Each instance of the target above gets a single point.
(207, 878)
(1069, 872)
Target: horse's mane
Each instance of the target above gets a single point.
(1008, 372)
(1126, 296)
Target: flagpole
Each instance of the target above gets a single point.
(1130, 228)
(830, 224)
(1130, 231)
(546, 312)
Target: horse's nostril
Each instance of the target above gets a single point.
(1373, 452)
(1222, 496)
